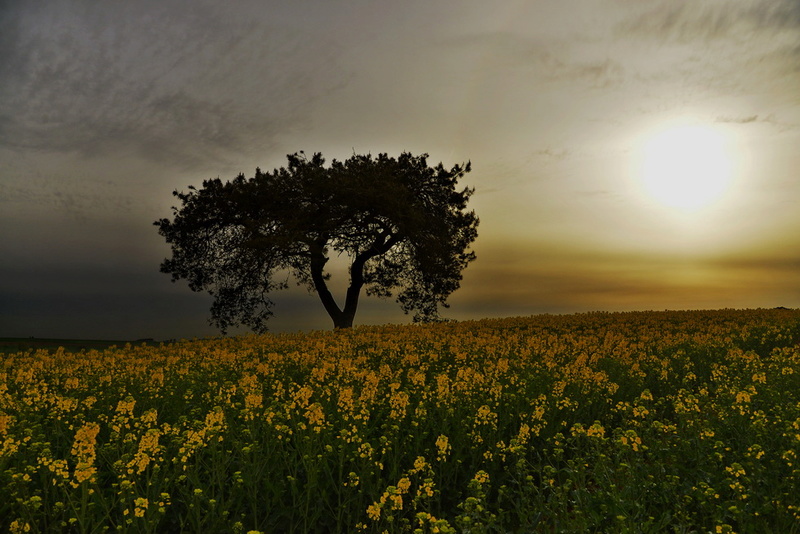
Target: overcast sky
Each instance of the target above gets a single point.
(107, 107)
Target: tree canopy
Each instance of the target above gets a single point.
(403, 225)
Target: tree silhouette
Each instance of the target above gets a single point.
(403, 225)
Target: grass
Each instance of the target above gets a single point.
(637, 422)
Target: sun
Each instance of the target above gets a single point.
(686, 167)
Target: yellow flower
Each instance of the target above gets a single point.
(426, 490)
(253, 401)
(19, 526)
(396, 500)
(482, 477)
(485, 416)
(315, 416)
(352, 479)
(419, 464)
(374, 511)
(149, 417)
(443, 445)
(301, 397)
(147, 451)
(345, 402)
(403, 485)
(398, 400)
(736, 470)
(596, 430)
(141, 506)
(630, 438)
(83, 447)
(10, 446)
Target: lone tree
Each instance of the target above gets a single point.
(403, 225)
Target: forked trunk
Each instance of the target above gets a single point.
(341, 318)
(344, 318)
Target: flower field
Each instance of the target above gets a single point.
(600, 422)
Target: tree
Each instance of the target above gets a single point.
(403, 225)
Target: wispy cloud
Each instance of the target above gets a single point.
(717, 47)
(550, 61)
(689, 20)
(752, 119)
(737, 120)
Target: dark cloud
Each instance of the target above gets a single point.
(106, 314)
(181, 82)
(80, 199)
(93, 301)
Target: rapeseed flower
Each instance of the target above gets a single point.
(83, 448)
(141, 505)
(481, 477)
(374, 511)
(443, 447)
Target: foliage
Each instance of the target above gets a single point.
(637, 422)
(402, 223)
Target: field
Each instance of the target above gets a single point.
(634, 422)
(10, 345)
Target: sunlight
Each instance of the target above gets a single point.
(686, 167)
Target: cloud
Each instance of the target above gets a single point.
(776, 266)
(685, 20)
(770, 119)
(550, 60)
(715, 48)
(753, 32)
(108, 313)
(171, 82)
(550, 153)
(535, 277)
(79, 199)
(597, 74)
(737, 120)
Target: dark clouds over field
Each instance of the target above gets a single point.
(106, 107)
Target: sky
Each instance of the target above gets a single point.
(626, 154)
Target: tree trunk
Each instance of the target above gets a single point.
(343, 321)
(353, 292)
(344, 318)
(318, 261)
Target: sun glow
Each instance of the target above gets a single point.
(686, 167)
